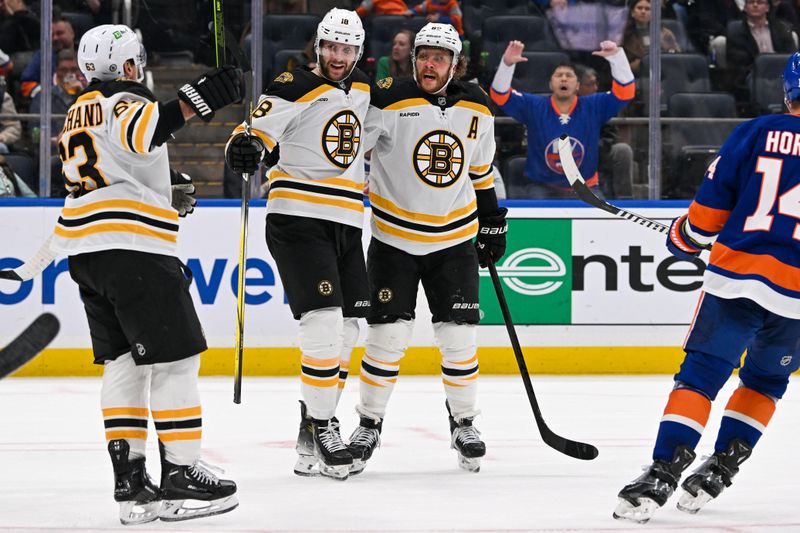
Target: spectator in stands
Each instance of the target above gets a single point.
(615, 163)
(63, 37)
(398, 63)
(564, 112)
(442, 11)
(758, 32)
(708, 22)
(382, 7)
(636, 36)
(19, 27)
(69, 82)
(10, 130)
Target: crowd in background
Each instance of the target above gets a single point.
(728, 34)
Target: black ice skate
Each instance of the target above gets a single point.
(306, 461)
(363, 441)
(192, 491)
(466, 440)
(639, 499)
(713, 476)
(334, 459)
(135, 491)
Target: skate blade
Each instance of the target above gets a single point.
(132, 513)
(470, 464)
(306, 466)
(357, 467)
(177, 510)
(337, 472)
(692, 504)
(640, 514)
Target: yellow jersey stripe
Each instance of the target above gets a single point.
(388, 205)
(341, 182)
(177, 413)
(88, 96)
(114, 228)
(180, 435)
(292, 195)
(313, 95)
(258, 133)
(468, 231)
(480, 169)
(123, 125)
(480, 108)
(359, 86)
(141, 128)
(120, 204)
(408, 102)
(126, 411)
(129, 434)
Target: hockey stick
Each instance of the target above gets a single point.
(32, 266)
(584, 193)
(578, 450)
(223, 41)
(28, 344)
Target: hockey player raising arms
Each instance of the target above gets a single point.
(120, 231)
(748, 212)
(431, 190)
(315, 212)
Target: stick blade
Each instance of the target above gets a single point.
(10, 274)
(29, 343)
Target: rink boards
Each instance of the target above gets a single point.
(589, 293)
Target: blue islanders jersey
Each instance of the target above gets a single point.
(750, 201)
(545, 124)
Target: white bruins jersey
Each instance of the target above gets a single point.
(430, 155)
(318, 127)
(120, 192)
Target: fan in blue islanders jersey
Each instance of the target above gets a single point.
(119, 226)
(747, 212)
(315, 211)
(431, 191)
(563, 112)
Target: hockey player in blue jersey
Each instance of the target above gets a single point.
(548, 117)
(747, 212)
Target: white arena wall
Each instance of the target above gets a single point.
(591, 294)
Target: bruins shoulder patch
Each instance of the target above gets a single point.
(286, 77)
(385, 83)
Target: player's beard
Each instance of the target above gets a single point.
(429, 85)
(334, 74)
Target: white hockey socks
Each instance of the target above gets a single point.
(458, 344)
(175, 403)
(321, 337)
(349, 338)
(124, 399)
(386, 344)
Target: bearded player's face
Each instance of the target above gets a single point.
(337, 59)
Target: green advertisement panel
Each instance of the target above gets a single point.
(535, 272)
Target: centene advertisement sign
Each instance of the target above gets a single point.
(590, 271)
(565, 269)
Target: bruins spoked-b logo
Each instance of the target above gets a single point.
(341, 138)
(325, 287)
(439, 158)
(385, 295)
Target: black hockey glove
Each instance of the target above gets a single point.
(244, 152)
(491, 240)
(212, 91)
(183, 199)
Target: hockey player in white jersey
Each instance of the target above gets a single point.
(431, 190)
(119, 227)
(315, 213)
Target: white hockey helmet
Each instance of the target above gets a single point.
(341, 26)
(437, 35)
(103, 51)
